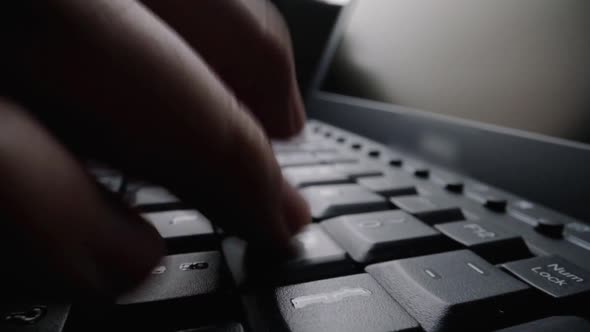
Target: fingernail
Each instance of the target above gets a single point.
(295, 209)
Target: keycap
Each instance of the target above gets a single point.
(553, 275)
(181, 289)
(379, 236)
(487, 239)
(304, 176)
(329, 157)
(578, 234)
(353, 303)
(228, 327)
(33, 315)
(543, 220)
(332, 200)
(486, 196)
(297, 158)
(392, 184)
(552, 324)
(183, 230)
(318, 256)
(430, 209)
(356, 146)
(358, 170)
(151, 198)
(113, 183)
(453, 291)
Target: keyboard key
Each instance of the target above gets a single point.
(453, 291)
(543, 220)
(578, 234)
(553, 275)
(304, 176)
(318, 257)
(552, 324)
(229, 327)
(393, 184)
(150, 198)
(433, 209)
(180, 286)
(183, 230)
(333, 200)
(113, 183)
(486, 239)
(33, 315)
(486, 196)
(296, 159)
(354, 303)
(357, 170)
(329, 157)
(379, 236)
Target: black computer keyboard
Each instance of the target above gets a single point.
(396, 244)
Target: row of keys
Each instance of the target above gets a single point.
(542, 220)
(451, 291)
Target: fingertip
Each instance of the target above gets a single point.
(294, 208)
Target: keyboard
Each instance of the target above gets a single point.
(396, 244)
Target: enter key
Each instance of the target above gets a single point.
(553, 275)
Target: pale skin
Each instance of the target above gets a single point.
(183, 93)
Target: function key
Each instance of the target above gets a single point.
(453, 291)
(341, 139)
(553, 275)
(379, 236)
(487, 239)
(328, 134)
(332, 200)
(345, 304)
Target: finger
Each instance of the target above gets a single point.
(148, 104)
(247, 44)
(56, 218)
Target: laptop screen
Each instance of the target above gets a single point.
(522, 64)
